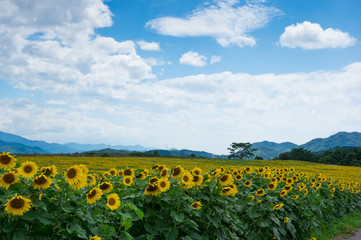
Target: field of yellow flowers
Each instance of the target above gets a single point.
(167, 198)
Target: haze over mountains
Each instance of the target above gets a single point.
(266, 149)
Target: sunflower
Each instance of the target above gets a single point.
(41, 182)
(272, 186)
(283, 193)
(74, 175)
(305, 192)
(113, 172)
(197, 205)
(251, 197)
(289, 181)
(197, 171)
(152, 189)
(163, 184)
(177, 172)
(239, 177)
(145, 172)
(128, 172)
(288, 188)
(154, 180)
(90, 180)
(17, 205)
(164, 173)
(214, 173)
(187, 179)
(49, 170)
(113, 201)
(286, 220)
(83, 168)
(248, 170)
(318, 185)
(7, 179)
(106, 187)
(121, 172)
(93, 195)
(141, 176)
(128, 180)
(333, 189)
(278, 206)
(247, 183)
(95, 238)
(197, 180)
(28, 169)
(228, 191)
(225, 179)
(7, 161)
(260, 192)
(295, 197)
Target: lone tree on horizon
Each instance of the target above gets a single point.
(241, 150)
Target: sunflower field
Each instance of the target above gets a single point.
(168, 200)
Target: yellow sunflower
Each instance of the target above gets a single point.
(7, 179)
(278, 206)
(197, 171)
(49, 170)
(295, 197)
(187, 179)
(247, 183)
(74, 175)
(283, 193)
(141, 176)
(272, 186)
(305, 192)
(154, 180)
(17, 205)
(225, 179)
(41, 182)
(177, 172)
(7, 161)
(164, 173)
(289, 181)
(227, 191)
(113, 201)
(93, 195)
(91, 181)
(95, 238)
(128, 172)
(198, 205)
(238, 177)
(163, 184)
(286, 220)
(260, 192)
(106, 187)
(113, 172)
(152, 189)
(197, 180)
(28, 169)
(128, 180)
(288, 188)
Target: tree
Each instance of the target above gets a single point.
(240, 150)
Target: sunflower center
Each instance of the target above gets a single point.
(111, 201)
(71, 173)
(104, 186)
(9, 178)
(48, 172)
(92, 194)
(195, 178)
(195, 205)
(127, 172)
(164, 173)
(17, 203)
(162, 184)
(28, 169)
(5, 159)
(127, 180)
(40, 180)
(185, 178)
(224, 178)
(152, 188)
(153, 180)
(176, 171)
(197, 172)
(139, 176)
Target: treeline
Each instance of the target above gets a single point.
(346, 156)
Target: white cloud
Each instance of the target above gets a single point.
(201, 112)
(193, 59)
(148, 46)
(51, 46)
(309, 35)
(215, 59)
(225, 21)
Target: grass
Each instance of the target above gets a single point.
(342, 228)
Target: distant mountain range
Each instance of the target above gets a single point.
(267, 150)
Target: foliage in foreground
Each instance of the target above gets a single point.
(161, 203)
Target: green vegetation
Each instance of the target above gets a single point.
(241, 151)
(350, 156)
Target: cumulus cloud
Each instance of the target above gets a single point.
(226, 21)
(309, 35)
(193, 59)
(215, 59)
(51, 46)
(148, 46)
(202, 112)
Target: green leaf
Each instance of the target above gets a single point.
(171, 234)
(139, 212)
(19, 234)
(127, 224)
(179, 217)
(275, 220)
(265, 224)
(128, 236)
(276, 233)
(47, 220)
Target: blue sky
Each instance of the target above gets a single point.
(184, 74)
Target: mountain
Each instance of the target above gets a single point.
(269, 150)
(340, 139)
(186, 153)
(19, 148)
